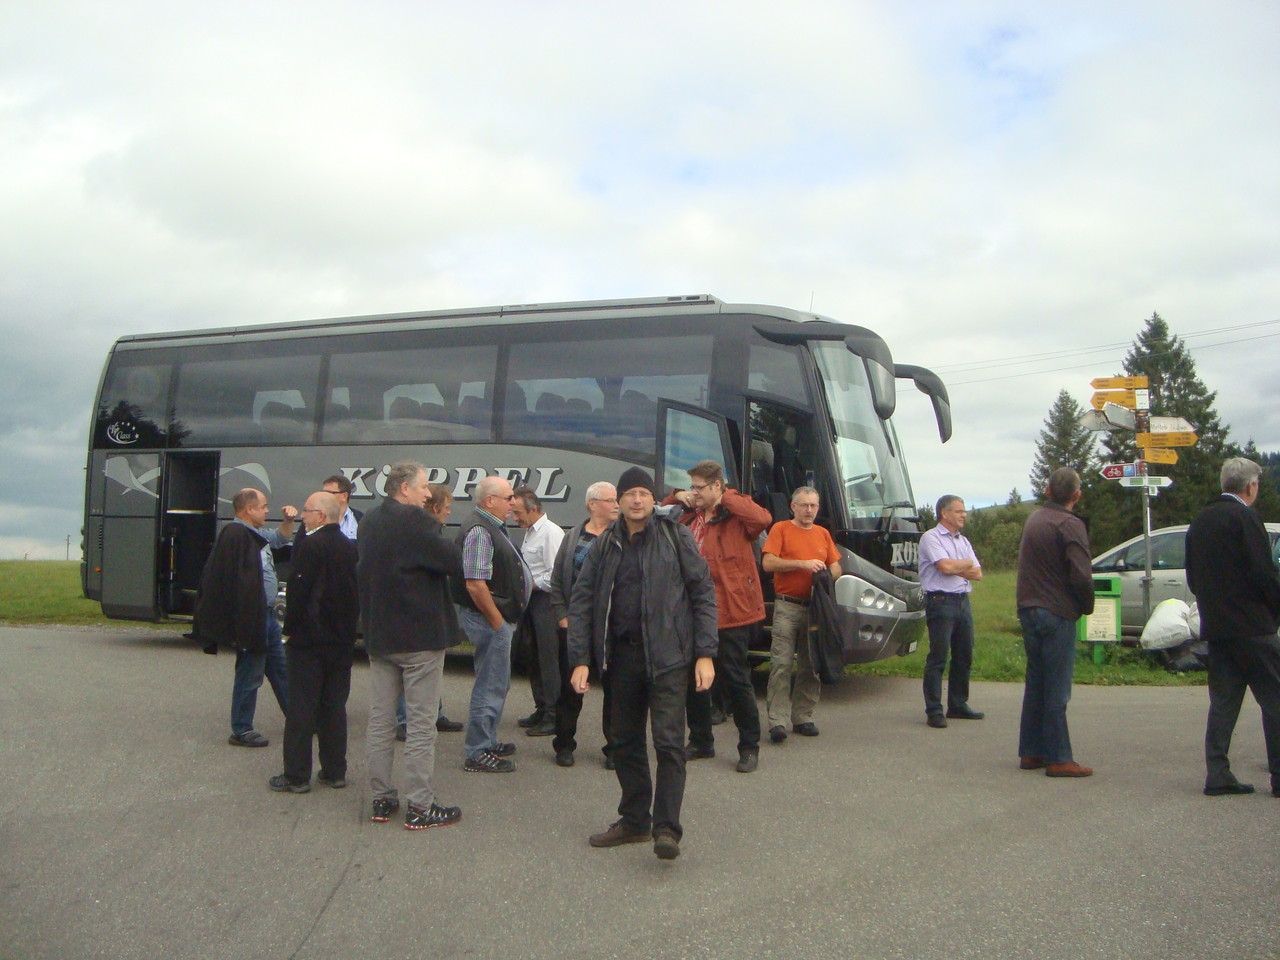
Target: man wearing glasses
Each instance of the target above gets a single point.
(725, 524)
(493, 592)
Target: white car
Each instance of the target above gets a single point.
(1168, 571)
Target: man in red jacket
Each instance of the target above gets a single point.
(725, 524)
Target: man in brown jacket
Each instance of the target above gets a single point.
(1055, 589)
(725, 524)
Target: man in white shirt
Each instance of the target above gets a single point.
(542, 539)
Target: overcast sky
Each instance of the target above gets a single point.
(974, 181)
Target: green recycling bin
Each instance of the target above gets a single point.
(1103, 625)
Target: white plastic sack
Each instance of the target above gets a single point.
(1193, 621)
(1167, 627)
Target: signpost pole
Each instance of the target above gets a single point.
(1146, 549)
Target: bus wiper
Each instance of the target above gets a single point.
(886, 515)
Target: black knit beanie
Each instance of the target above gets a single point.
(634, 477)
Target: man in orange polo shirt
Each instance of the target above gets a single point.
(794, 551)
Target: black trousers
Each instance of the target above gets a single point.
(539, 626)
(569, 707)
(1235, 665)
(661, 700)
(733, 666)
(319, 684)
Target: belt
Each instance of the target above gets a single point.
(798, 602)
(945, 593)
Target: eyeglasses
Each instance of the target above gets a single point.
(604, 499)
(698, 487)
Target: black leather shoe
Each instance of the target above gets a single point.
(546, 727)
(936, 720)
(532, 718)
(402, 732)
(964, 713)
(564, 758)
(1229, 789)
(699, 753)
(806, 729)
(778, 734)
(445, 725)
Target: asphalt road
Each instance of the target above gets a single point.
(132, 830)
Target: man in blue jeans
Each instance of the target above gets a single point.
(1055, 589)
(492, 596)
(948, 567)
(237, 591)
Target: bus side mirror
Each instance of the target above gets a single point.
(929, 383)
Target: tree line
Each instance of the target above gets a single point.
(1114, 513)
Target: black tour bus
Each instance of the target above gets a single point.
(553, 395)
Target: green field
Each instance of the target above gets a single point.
(48, 591)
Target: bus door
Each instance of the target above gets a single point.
(188, 527)
(687, 434)
(783, 455)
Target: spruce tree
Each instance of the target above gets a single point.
(1063, 443)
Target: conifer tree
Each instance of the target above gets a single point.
(1063, 443)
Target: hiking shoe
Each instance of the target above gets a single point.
(564, 758)
(415, 818)
(383, 808)
(748, 760)
(251, 739)
(503, 750)
(699, 753)
(666, 846)
(532, 718)
(546, 727)
(281, 784)
(617, 835)
(337, 783)
(778, 733)
(806, 729)
(487, 762)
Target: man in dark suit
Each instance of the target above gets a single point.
(320, 623)
(1233, 575)
(408, 622)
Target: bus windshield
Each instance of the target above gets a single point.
(872, 473)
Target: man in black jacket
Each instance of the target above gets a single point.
(237, 588)
(408, 622)
(1233, 575)
(644, 607)
(320, 622)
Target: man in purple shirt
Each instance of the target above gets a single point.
(948, 566)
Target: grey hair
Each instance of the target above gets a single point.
(800, 490)
(406, 471)
(1064, 483)
(328, 504)
(1238, 473)
(487, 487)
(597, 488)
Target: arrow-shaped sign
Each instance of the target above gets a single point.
(1126, 398)
(1158, 455)
(1155, 483)
(1166, 439)
(1118, 383)
(1122, 417)
(1171, 425)
(1116, 471)
(1095, 421)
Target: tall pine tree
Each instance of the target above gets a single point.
(1063, 443)
(1175, 391)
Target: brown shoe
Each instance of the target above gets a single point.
(1030, 763)
(617, 835)
(1068, 769)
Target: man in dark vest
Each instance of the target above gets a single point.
(1231, 571)
(493, 591)
(320, 623)
(408, 623)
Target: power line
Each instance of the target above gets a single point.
(971, 366)
(1081, 366)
